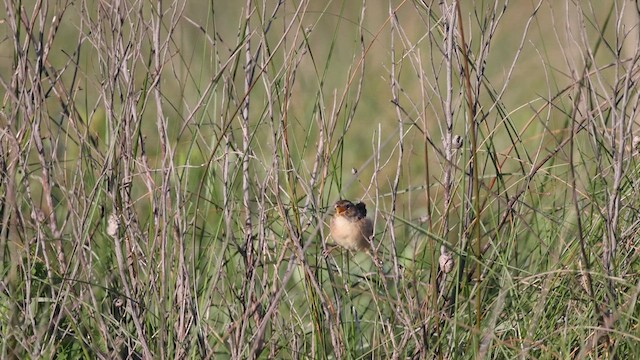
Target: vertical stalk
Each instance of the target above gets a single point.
(244, 114)
(474, 165)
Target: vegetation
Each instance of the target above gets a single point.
(168, 170)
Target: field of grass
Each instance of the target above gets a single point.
(168, 172)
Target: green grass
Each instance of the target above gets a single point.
(168, 171)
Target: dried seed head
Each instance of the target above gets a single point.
(457, 142)
(118, 302)
(38, 215)
(446, 262)
(112, 225)
(424, 218)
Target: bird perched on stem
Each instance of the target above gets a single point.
(350, 226)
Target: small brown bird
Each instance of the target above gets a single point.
(350, 226)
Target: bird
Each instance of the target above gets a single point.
(350, 227)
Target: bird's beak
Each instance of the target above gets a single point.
(340, 209)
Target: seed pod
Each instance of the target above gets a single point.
(457, 142)
(446, 262)
(112, 225)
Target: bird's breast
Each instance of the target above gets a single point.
(349, 234)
